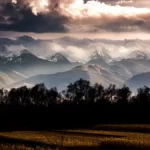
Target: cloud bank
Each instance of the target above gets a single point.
(73, 16)
(76, 49)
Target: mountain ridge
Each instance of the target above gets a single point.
(93, 73)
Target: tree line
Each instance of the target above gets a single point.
(79, 105)
(81, 92)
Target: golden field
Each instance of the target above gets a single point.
(101, 137)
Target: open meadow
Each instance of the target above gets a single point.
(101, 137)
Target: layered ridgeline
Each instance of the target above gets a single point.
(92, 73)
(139, 80)
(8, 76)
(57, 62)
(29, 64)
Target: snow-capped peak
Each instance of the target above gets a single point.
(56, 58)
(100, 55)
(96, 55)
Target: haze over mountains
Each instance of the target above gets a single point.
(93, 73)
(57, 62)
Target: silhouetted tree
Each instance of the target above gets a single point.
(14, 97)
(91, 94)
(123, 95)
(86, 103)
(39, 94)
(24, 95)
(52, 96)
(143, 96)
(99, 93)
(78, 91)
(110, 92)
(2, 96)
(82, 88)
(70, 93)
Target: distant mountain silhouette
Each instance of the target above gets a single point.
(27, 63)
(8, 76)
(139, 80)
(99, 58)
(31, 60)
(93, 73)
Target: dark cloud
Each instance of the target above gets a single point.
(110, 23)
(21, 18)
(127, 24)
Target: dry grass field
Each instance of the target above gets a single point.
(101, 137)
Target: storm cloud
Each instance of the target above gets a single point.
(19, 17)
(42, 16)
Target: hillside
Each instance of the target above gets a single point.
(8, 76)
(93, 73)
(139, 80)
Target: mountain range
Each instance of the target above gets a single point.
(74, 49)
(26, 67)
(98, 69)
(138, 81)
(93, 73)
(28, 64)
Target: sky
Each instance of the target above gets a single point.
(48, 18)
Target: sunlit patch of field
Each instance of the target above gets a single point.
(96, 139)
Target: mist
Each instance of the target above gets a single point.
(80, 50)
